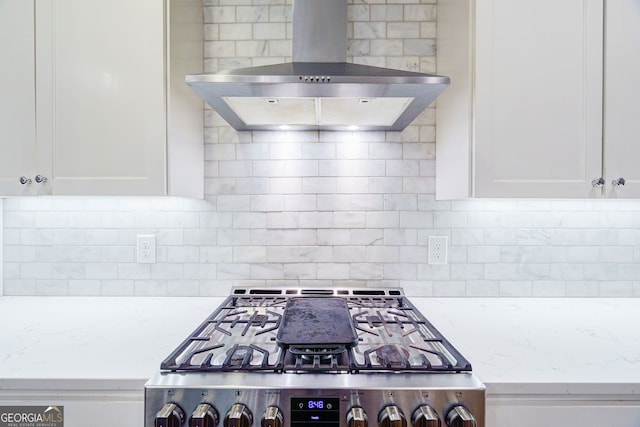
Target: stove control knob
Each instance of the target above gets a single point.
(425, 416)
(356, 417)
(459, 416)
(204, 415)
(391, 416)
(238, 416)
(272, 417)
(171, 415)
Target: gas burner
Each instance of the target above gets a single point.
(259, 319)
(391, 356)
(239, 356)
(317, 359)
(322, 352)
(323, 359)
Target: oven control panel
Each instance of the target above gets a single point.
(205, 407)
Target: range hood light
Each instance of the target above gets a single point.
(352, 127)
(284, 127)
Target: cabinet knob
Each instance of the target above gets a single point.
(618, 182)
(24, 180)
(598, 182)
(41, 179)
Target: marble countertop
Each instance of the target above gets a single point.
(516, 346)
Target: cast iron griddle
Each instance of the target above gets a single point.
(316, 322)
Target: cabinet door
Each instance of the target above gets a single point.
(101, 96)
(17, 96)
(622, 97)
(538, 106)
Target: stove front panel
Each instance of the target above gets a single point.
(299, 400)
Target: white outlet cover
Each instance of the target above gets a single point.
(438, 248)
(146, 248)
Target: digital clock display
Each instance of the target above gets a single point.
(315, 411)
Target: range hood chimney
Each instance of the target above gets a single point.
(318, 90)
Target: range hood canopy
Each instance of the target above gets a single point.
(319, 90)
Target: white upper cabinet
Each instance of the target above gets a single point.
(622, 98)
(112, 112)
(17, 95)
(523, 116)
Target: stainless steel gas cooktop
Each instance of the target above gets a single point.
(315, 357)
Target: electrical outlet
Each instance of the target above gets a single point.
(438, 249)
(146, 248)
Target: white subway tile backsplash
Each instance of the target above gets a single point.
(269, 31)
(396, 31)
(350, 202)
(366, 271)
(467, 271)
(449, 288)
(252, 14)
(349, 219)
(216, 254)
(319, 185)
(320, 208)
(546, 288)
(416, 220)
(52, 287)
(453, 220)
(267, 203)
(428, 31)
(349, 254)
(400, 202)
(352, 185)
(234, 32)
(402, 168)
(358, 12)
(515, 288)
(385, 47)
(386, 12)
(236, 271)
(419, 47)
(251, 49)
(316, 219)
(300, 202)
(315, 254)
(217, 14)
(118, 287)
(385, 185)
(419, 151)
(369, 30)
(482, 288)
(220, 49)
(85, 287)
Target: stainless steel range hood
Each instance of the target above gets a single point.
(319, 90)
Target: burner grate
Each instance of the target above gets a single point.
(353, 332)
(232, 339)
